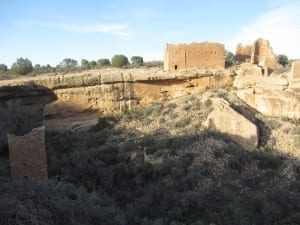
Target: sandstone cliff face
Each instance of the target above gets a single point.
(108, 91)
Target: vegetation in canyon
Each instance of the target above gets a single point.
(159, 165)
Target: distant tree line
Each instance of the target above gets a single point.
(24, 66)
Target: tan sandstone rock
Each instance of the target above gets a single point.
(226, 120)
(107, 91)
(272, 83)
(247, 76)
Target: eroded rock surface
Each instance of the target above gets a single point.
(108, 91)
(226, 120)
(274, 95)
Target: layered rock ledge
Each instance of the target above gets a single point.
(109, 91)
(276, 95)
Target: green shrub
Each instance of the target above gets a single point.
(183, 122)
(84, 64)
(92, 63)
(68, 64)
(172, 105)
(137, 61)
(22, 66)
(119, 61)
(154, 64)
(282, 59)
(235, 163)
(104, 122)
(103, 62)
(3, 68)
(269, 161)
(229, 59)
(128, 145)
(218, 153)
(156, 109)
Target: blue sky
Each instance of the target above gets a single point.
(47, 31)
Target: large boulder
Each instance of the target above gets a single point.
(226, 120)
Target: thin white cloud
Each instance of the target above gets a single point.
(119, 30)
(281, 26)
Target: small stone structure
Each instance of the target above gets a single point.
(295, 71)
(205, 55)
(243, 53)
(27, 155)
(262, 54)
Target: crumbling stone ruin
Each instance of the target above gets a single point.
(27, 155)
(243, 53)
(262, 54)
(206, 55)
(295, 71)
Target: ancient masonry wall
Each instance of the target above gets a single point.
(295, 71)
(27, 155)
(263, 55)
(206, 55)
(243, 53)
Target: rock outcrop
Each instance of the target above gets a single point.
(226, 120)
(108, 91)
(275, 95)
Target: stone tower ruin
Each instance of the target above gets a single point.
(27, 155)
(262, 54)
(206, 55)
(295, 70)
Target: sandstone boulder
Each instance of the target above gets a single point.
(226, 120)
